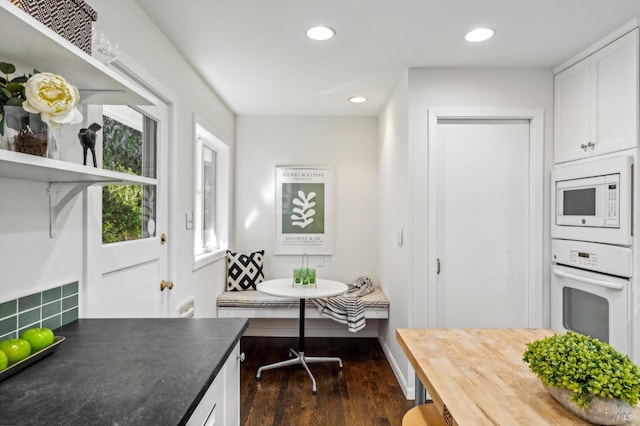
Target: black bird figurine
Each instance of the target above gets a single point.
(88, 141)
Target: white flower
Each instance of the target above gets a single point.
(52, 97)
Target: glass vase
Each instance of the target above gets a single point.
(25, 132)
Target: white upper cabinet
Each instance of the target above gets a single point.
(615, 87)
(596, 102)
(25, 39)
(572, 112)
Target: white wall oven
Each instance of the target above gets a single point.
(593, 201)
(591, 291)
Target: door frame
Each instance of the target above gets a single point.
(536, 199)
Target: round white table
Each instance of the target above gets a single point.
(284, 288)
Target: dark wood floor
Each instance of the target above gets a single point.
(364, 392)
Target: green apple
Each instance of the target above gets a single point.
(38, 338)
(4, 361)
(15, 349)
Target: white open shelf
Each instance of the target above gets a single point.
(25, 39)
(59, 174)
(15, 165)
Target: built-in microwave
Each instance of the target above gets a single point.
(592, 201)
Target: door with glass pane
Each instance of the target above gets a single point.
(127, 224)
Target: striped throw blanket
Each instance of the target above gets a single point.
(347, 308)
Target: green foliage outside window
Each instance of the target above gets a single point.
(122, 147)
(121, 205)
(121, 213)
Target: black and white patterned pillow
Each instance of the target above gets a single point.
(244, 271)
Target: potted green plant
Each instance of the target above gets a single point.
(32, 107)
(11, 90)
(589, 377)
(21, 130)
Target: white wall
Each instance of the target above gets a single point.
(449, 88)
(394, 201)
(29, 260)
(347, 144)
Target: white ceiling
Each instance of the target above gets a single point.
(255, 55)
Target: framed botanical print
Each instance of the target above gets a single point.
(304, 210)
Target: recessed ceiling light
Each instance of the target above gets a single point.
(357, 99)
(479, 34)
(321, 33)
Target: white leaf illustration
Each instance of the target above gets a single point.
(303, 216)
(303, 224)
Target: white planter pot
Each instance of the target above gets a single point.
(601, 411)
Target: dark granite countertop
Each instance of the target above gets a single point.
(121, 372)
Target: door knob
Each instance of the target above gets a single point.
(163, 239)
(166, 284)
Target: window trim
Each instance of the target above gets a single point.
(204, 137)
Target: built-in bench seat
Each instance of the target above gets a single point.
(254, 304)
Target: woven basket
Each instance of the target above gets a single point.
(70, 18)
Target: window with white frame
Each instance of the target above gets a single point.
(129, 146)
(211, 210)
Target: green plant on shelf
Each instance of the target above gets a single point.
(11, 90)
(43, 93)
(584, 365)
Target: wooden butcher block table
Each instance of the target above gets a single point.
(477, 376)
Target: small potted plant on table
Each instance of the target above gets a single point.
(588, 377)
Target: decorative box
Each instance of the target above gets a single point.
(70, 18)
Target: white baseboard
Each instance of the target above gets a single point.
(286, 327)
(409, 392)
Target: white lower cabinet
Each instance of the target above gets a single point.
(232, 388)
(220, 405)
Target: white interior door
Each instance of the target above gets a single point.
(123, 278)
(483, 216)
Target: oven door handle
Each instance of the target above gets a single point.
(600, 283)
